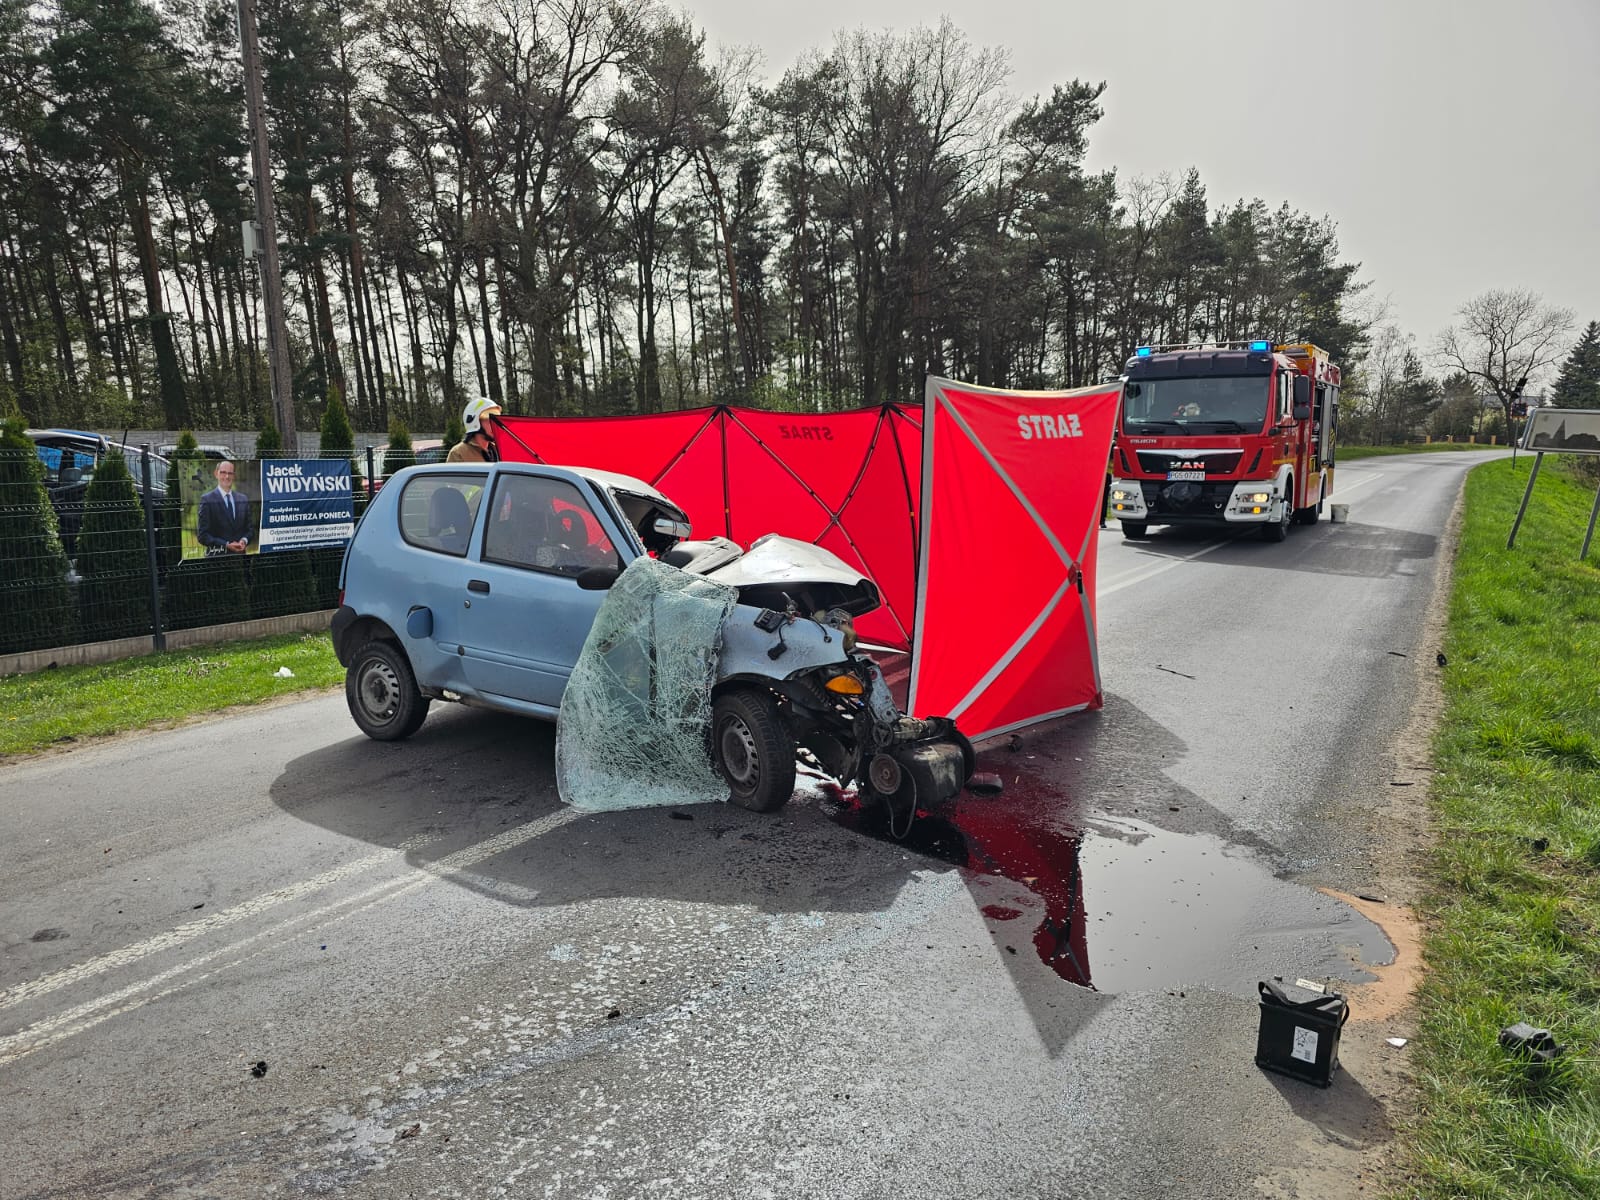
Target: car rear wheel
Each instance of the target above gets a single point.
(753, 749)
(382, 693)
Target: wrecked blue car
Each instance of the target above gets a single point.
(480, 585)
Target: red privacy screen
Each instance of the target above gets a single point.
(852, 482)
(1011, 488)
(845, 481)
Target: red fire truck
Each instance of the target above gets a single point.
(1235, 434)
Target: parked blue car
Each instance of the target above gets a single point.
(478, 584)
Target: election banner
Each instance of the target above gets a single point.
(221, 507)
(305, 503)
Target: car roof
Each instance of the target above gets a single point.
(619, 482)
(614, 480)
(65, 435)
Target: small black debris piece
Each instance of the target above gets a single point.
(1397, 654)
(985, 783)
(1441, 659)
(681, 816)
(259, 1069)
(1014, 743)
(411, 1131)
(202, 904)
(1373, 899)
(613, 1014)
(1537, 1044)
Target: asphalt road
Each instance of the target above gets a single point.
(261, 955)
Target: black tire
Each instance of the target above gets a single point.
(1310, 514)
(753, 749)
(382, 693)
(1279, 530)
(1135, 529)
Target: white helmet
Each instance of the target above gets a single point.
(472, 416)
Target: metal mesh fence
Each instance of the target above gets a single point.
(87, 554)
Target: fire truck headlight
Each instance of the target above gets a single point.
(1123, 494)
(1254, 497)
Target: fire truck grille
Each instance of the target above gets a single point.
(1159, 462)
(1198, 499)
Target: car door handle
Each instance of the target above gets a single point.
(478, 585)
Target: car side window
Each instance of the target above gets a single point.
(545, 525)
(437, 511)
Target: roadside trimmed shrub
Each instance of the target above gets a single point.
(114, 596)
(282, 583)
(454, 430)
(400, 452)
(206, 591)
(269, 442)
(35, 597)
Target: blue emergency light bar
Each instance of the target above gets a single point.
(1143, 351)
(1261, 347)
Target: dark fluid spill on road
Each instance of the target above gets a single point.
(1119, 904)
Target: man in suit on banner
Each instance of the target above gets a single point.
(224, 522)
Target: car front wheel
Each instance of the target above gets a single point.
(753, 749)
(382, 693)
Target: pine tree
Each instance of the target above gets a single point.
(1578, 385)
(399, 453)
(114, 597)
(34, 593)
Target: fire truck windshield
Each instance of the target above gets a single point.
(1236, 403)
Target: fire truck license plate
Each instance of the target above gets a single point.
(1200, 475)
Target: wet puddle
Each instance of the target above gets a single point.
(1117, 904)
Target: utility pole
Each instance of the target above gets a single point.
(279, 373)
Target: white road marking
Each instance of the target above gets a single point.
(85, 1016)
(1104, 588)
(194, 929)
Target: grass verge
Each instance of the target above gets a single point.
(1347, 453)
(1514, 898)
(72, 703)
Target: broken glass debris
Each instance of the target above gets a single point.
(634, 725)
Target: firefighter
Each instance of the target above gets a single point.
(477, 445)
(1105, 489)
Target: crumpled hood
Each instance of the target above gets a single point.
(776, 563)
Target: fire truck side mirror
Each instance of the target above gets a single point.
(1302, 398)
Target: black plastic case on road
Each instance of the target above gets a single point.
(1300, 1032)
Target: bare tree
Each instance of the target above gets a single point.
(1504, 339)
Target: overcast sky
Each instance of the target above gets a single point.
(1456, 143)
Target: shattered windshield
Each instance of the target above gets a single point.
(634, 727)
(1236, 403)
